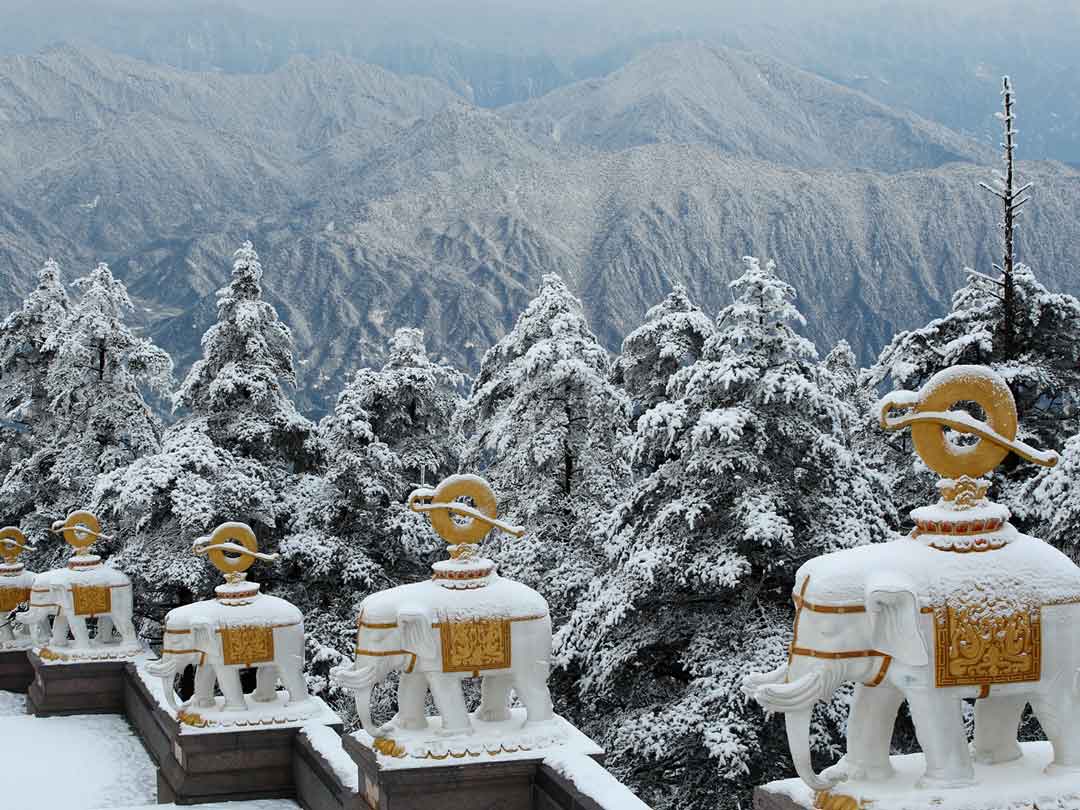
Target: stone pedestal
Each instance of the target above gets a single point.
(470, 773)
(213, 765)
(86, 687)
(16, 673)
(318, 785)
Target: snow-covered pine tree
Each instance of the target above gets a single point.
(751, 477)
(1012, 323)
(672, 336)
(545, 426)
(24, 363)
(237, 384)
(411, 403)
(99, 421)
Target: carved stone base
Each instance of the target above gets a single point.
(465, 772)
(213, 765)
(92, 687)
(16, 673)
(1023, 784)
(318, 786)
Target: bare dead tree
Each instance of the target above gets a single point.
(1012, 198)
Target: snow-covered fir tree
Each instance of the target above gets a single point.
(672, 336)
(24, 363)
(545, 426)
(411, 403)
(238, 384)
(99, 421)
(750, 476)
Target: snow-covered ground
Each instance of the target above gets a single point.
(86, 762)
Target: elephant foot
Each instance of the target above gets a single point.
(399, 723)
(264, 698)
(493, 715)
(456, 731)
(944, 782)
(996, 756)
(1055, 768)
(205, 703)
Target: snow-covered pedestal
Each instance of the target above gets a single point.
(1021, 784)
(62, 687)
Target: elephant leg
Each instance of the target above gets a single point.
(204, 687)
(79, 631)
(869, 733)
(412, 689)
(996, 722)
(126, 628)
(494, 698)
(939, 725)
(531, 686)
(293, 678)
(228, 678)
(266, 683)
(450, 701)
(1059, 716)
(104, 629)
(59, 636)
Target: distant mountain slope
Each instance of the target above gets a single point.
(379, 201)
(742, 104)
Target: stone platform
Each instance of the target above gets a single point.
(1019, 785)
(16, 672)
(82, 687)
(198, 765)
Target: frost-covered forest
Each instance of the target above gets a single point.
(670, 491)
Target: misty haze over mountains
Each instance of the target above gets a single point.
(436, 190)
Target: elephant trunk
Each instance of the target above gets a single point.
(165, 669)
(360, 680)
(798, 734)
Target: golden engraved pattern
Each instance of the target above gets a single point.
(91, 600)
(979, 648)
(247, 645)
(475, 646)
(11, 598)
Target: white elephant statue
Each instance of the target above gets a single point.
(466, 621)
(240, 629)
(435, 637)
(965, 607)
(219, 643)
(15, 587)
(86, 589)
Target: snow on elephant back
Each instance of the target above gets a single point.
(964, 607)
(465, 622)
(240, 629)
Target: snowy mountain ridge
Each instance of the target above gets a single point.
(378, 201)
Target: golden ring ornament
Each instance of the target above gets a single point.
(12, 544)
(930, 413)
(81, 530)
(456, 522)
(232, 548)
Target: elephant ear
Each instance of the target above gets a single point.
(417, 634)
(893, 607)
